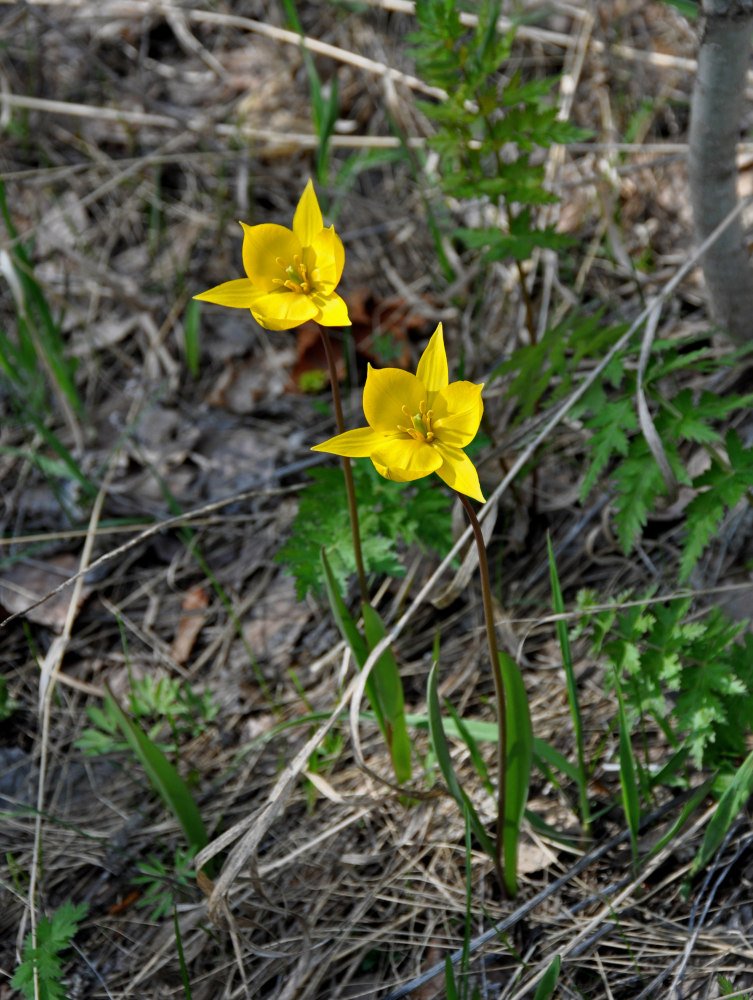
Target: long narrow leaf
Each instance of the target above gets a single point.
(181, 956)
(450, 986)
(734, 798)
(356, 642)
(699, 794)
(572, 687)
(389, 693)
(162, 776)
(542, 751)
(519, 758)
(464, 731)
(488, 732)
(343, 620)
(548, 981)
(628, 782)
(442, 753)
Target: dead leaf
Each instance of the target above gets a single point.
(242, 385)
(380, 330)
(278, 619)
(532, 858)
(191, 623)
(28, 581)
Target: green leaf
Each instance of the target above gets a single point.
(181, 955)
(162, 776)
(722, 487)
(442, 753)
(519, 758)
(388, 512)
(542, 751)
(344, 621)
(548, 981)
(628, 781)
(54, 936)
(451, 989)
(563, 638)
(463, 730)
(690, 806)
(388, 689)
(734, 798)
(385, 673)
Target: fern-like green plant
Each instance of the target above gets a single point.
(161, 884)
(54, 936)
(389, 514)
(682, 418)
(692, 676)
(162, 702)
(540, 374)
(490, 127)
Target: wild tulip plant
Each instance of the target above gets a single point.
(417, 425)
(291, 277)
(291, 274)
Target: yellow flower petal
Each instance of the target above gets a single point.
(324, 259)
(404, 459)
(386, 392)
(457, 411)
(459, 472)
(282, 310)
(332, 310)
(307, 221)
(236, 294)
(358, 443)
(263, 247)
(432, 368)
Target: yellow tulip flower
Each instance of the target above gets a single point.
(418, 424)
(292, 274)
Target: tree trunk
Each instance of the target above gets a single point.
(716, 107)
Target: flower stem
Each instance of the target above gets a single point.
(499, 686)
(350, 488)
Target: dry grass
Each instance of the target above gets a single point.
(134, 134)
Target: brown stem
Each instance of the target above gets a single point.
(349, 485)
(499, 686)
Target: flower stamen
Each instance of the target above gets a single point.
(420, 428)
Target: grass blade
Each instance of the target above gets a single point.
(572, 687)
(548, 981)
(628, 781)
(519, 759)
(442, 753)
(734, 798)
(347, 627)
(450, 986)
(388, 687)
(181, 956)
(463, 730)
(698, 795)
(162, 776)
(543, 754)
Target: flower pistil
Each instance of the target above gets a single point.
(420, 428)
(297, 276)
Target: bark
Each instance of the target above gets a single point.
(716, 107)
